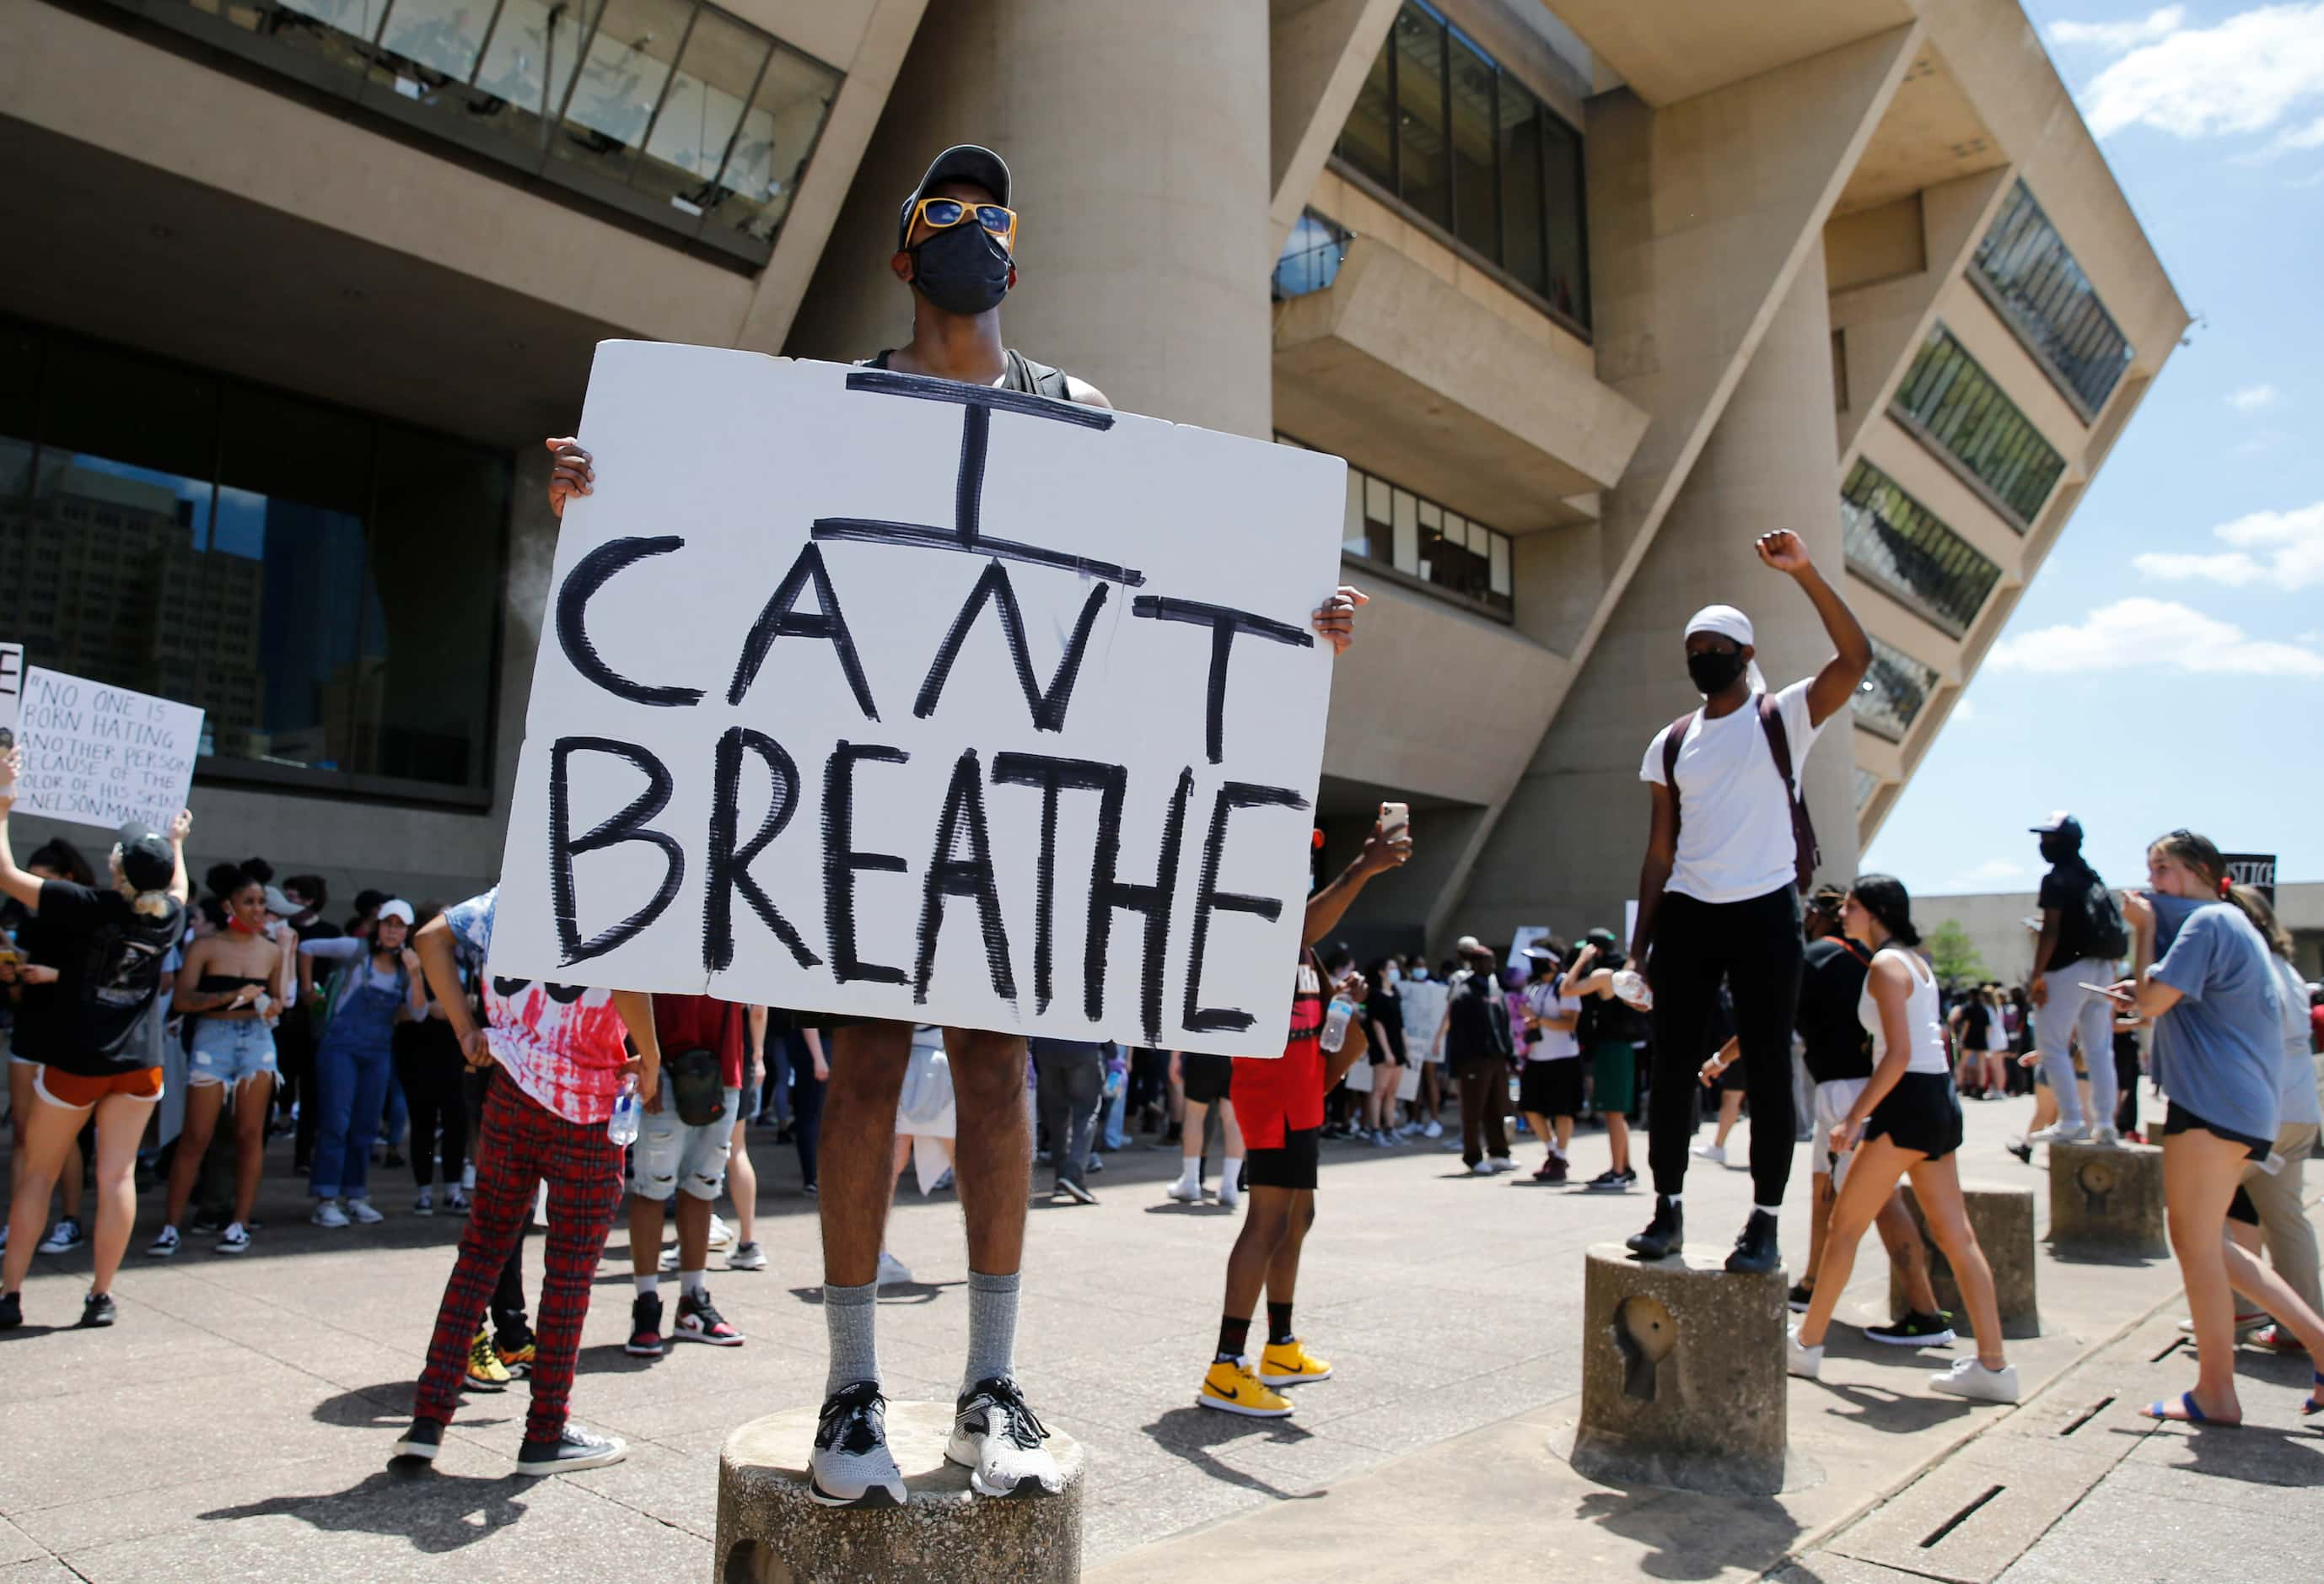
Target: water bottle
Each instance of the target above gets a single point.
(623, 1129)
(1335, 1023)
(1630, 987)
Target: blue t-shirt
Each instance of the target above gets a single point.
(2217, 1051)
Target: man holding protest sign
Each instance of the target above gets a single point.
(956, 237)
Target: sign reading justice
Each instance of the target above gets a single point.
(868, 693)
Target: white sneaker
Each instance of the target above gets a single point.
(1408, 1130)
(669, 1259)
(995, 1436)
(164, 1244)
(1483, 1168)
(1968, 1378)
(235, 1239)
(1185, 1192)
(1804, 1362)
(721, 1233)
(328, 1214)
(1501, 1163)
(2059, 1133)
(1712, 1151)
(851, 1466)
(1432, 1128)
(2105, 1138)
(893, 1272)
(63, 1240)
(1229, 1195)
(361, 1210)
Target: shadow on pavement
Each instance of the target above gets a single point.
(891, 1292)
(1172, 1207)
(437, 1513)
(1895, 1413)
(1189, 1433)
(1691, 1536)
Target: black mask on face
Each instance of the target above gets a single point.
(2056, 848)
(962, 270)
(1714, 670)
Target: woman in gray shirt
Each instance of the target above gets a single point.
(2213, 996)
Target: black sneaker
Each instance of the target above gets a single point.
(1608, 1182)
(575, 1450)
(2021, 1150)
(1756, 1253)
(96, 1310)
(1915, 1331)
(422, 1440)
(12, 1311)
(1663, 1234)
(1800, 1297)
(645, 1327)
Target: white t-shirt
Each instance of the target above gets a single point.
(1543, 1000)
(1734, 808)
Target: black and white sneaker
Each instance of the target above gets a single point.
(851, 1466)
(996, 1436)
(422, 1441)
(1609, 1181)
(235, 1239)
(1075, 1192)
(570, 1452)
(645, 1327)
(96, 1310)
(1798, 1299)
(1915, 1331)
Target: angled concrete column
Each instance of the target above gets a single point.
(1146, 275)
(1318, 53)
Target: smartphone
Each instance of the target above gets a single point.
(1396, 819)
(2105, 990)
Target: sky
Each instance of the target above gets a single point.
(2166, 666)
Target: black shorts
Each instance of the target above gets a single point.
(1292, 1166)
(1550, 1088)
(2179, 1119)
(1922, 1113)
(1206, 1078)
(1734, 1078)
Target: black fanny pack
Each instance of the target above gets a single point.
(696, 1086)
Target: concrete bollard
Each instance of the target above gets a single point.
(770, 1532)
(1682, 1374)
(2002, 1218)
(2107, 1200)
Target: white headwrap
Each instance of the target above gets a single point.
(1728, 621)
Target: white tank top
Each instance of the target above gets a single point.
(1922, 1016)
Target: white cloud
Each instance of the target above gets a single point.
(2115, 37)
(2242, 75)
(2140, 633)
(2252, 398)
(2283, 549)
(2311, 136)
(1991, 872)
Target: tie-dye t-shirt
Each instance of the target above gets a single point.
(563, 1044)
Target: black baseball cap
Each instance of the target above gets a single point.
(962, 162)
(2059, 823)
(147, 862)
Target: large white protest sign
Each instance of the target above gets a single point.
(12, 688)
(865, 693)
(103, 756)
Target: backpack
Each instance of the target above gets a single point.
(2109, 935)
(1806, 852)
(1481, 1016)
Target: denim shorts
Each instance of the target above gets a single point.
(229, 1050)
(670, 1157)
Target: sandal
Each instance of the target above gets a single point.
(2191, 1414)
(2311, 1407)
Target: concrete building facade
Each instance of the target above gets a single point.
(1589, 294)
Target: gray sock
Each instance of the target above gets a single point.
(992, 1326)
(850, 1315)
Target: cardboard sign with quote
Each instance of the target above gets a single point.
(865, 693)
(98, 755)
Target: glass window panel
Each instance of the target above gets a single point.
(527, 66)
(1431, 515)
(1521, 212)
(1407, 536)
(1355, 537)
(1569, 260)
(1959, 406)
(1366, 141)
(444, 37)
(701, 112)
(1423, 179)
(1890, 697)
(414, 701)
(1377, 505)
(771, 147)
(1475, 188)
(1500, 553)
(2050, 303)
(1892, 540)
(337, 31)
(622, 74)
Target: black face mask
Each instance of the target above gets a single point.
(964, 269)
(1714, 670)
(2057, 850)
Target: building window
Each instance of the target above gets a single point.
(1866, 784)
(1311, 256)
(1891, 695)
(1895, 541)
(670, 110)
(324, 584)
(1426, 541)
(1449, 132)
(2031, 276)
(1947, 397)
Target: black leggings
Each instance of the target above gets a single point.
(806, 1109)
(428, 1064)
(1756, 947)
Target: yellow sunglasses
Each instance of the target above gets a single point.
(941, 213)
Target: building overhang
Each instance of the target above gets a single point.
(1395, 368)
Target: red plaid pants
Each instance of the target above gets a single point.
(524, 1144)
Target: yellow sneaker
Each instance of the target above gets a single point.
(1232, 1388)
(486, 1372)
(518, 1361)
(1291, 1363)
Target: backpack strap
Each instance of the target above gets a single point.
(1036, 379)
(1674, 739)
(1806, 852)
